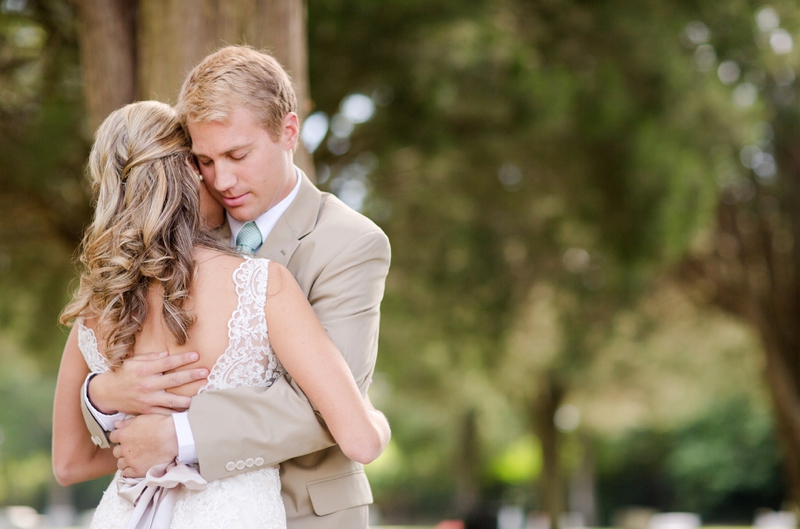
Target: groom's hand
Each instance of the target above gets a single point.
(139, 385)
(144, 441)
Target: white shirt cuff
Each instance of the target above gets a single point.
(106, 421)
(187, 451)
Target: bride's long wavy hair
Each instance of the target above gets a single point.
(147, 222)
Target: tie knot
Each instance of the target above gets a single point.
(249, 238)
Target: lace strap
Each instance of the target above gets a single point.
(249, 359)
(251, 280)
(87, 343)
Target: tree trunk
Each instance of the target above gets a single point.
(106, 33)
(753, 274)
(582, 495)
(143, 50)
(543, 409)
(467, 493)
(786, 402)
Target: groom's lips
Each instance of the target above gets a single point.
(232, 202)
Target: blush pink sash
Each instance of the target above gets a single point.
(154, 495)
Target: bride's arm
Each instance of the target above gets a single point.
(75, 457)
(312, 360)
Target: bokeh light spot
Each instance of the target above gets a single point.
(358, 108)
(314, 130)
(767, 19)
(729, 72)
(697, 32)
(781, 41)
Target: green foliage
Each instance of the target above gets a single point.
(518, 135)
(520, 463)
(43, 206)
(724, 466)
(26, 404)
(43, 199)
(733, 451)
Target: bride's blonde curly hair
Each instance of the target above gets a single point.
(147, 222)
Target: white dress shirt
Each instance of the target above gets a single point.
(187, 451)
(267, 220)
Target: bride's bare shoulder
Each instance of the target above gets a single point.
(214, 270)
(88, 319)
(214, 261)
(279, 279)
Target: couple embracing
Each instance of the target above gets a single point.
(268, 311)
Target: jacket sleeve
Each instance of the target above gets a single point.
(96, 430)
(240, 428)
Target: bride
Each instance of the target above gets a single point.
(155, 279)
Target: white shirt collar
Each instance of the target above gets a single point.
(267, 220)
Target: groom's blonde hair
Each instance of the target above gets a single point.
(233, 77)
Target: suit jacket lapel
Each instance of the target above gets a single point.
(298, 221)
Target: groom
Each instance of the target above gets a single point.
(240, 110)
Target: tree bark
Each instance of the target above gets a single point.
(582, 494)
(467, 493)
(108, 55)
(786, 402)
(752, 273)
(143, 50)
(543, 409)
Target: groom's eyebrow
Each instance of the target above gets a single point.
(229, 151)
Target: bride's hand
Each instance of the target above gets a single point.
(140, 386)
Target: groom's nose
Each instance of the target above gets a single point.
(224, 179)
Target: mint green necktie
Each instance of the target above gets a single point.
(249, 238)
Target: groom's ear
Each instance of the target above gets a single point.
(291, 131)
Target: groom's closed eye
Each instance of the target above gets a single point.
(238, 154)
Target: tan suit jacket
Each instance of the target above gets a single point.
(340, 259)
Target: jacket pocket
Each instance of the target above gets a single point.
(340, 492)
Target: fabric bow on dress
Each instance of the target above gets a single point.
(154, 495)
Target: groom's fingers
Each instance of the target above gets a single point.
(153, 356)
(163, 364)
(169, 411)
(114, 437)
(170, 404)
(179, 378)
(165, 403)
(158, 363)
(139, 385)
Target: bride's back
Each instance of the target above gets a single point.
(213, 300)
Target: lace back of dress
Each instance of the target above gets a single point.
(249, 359)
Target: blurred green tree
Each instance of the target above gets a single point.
(723, 465)
(556, 143)
(43, 203)
(750, 268)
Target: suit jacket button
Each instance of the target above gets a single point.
(230, 466)
(259, 461)
(240, 464)
(249, 462)
(96, 440)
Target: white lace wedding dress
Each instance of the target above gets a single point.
(248, 500)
